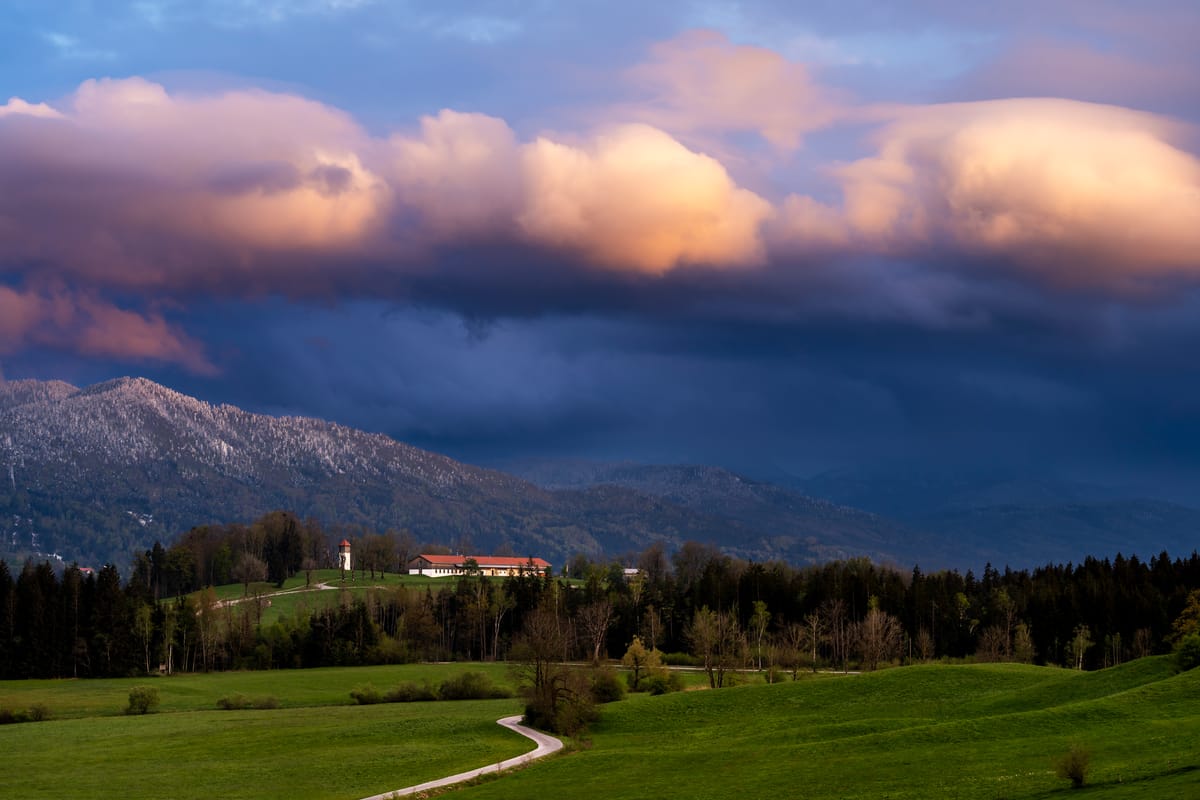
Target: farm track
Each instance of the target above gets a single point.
(545, 746)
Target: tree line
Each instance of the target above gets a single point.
(695, 605)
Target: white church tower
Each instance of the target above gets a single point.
(344, 556)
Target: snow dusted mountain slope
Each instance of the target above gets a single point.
(133, 422)
(98, 474)
(16, 393)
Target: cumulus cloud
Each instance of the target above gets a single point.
(173, 191)
(701, 82)
(16, 105)
(1072, 190)
(637, 198)
(126, 190)
(460, 176)
(131, 187)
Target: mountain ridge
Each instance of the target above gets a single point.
(99, 472)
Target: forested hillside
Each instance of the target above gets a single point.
(720, 612)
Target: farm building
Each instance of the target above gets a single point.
(492, 566)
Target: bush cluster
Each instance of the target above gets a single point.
(607, 687)
(235, 702)
(1074, 765)
(1187, 652)
(142, 700)
(662, 684)
(38, 712)
(410, 692)
(471, 686)
(467, 686)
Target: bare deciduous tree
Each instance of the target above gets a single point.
(759, 621)
(717, 639)
(248, 569)
(837, 632)
(924, 644)
(878, 637)
(595, 619)
(1081, 642)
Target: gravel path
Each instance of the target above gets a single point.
(545, 746)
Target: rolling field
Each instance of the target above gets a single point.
(325, 589)
(984, 731)
(981, 731)
(315, 745)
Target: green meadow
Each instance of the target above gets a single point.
(969, 731)
(327, 587)
(317, 744)
(975, 731)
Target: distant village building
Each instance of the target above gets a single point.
(491, 566)
(344, 556)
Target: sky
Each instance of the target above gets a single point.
(782, 237)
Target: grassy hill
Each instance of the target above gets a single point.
(984, 731)
(978, 731)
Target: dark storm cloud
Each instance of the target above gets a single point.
(726, 245)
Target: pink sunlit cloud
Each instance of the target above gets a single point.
(127, 189)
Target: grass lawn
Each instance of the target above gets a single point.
(341, 752)
(71, 699)
(973, 731)
(980, 731)
(316, 745)
(326, 587)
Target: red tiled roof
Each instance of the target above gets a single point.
(486, 561)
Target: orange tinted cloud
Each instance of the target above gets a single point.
(460, 176)
(133, 186)
(86, 324)
(127, 188)
(1076, 190)
(636, 198)
(628, 198)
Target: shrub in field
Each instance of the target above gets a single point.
(142, 700)
(662, 684)
(1187, 653)
(1073, 765)
(471, 686)
(606, 686)
(566, 707)
(8, 717)
(235, 702)
(39, 712)
(366, 695)
(410, 692)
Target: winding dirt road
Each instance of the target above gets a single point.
(545, 746)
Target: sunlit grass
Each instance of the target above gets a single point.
(969, 731)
